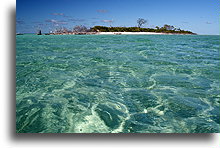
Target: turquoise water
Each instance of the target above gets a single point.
(117, 83)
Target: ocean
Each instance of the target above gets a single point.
(117, 84)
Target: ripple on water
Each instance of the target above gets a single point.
(185, 107)
(142, 97)
(113, 84)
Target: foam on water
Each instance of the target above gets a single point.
(113, 84)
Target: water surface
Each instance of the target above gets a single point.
(117, 83)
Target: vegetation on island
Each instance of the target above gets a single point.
(165, 29)
(140, 22)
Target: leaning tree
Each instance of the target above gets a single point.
(141, 22)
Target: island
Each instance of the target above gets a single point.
(103, 30)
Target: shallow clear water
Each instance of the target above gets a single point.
(117, 83)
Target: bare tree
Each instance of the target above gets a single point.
(141, 22)
(80, 29)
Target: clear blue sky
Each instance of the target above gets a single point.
(199, 16)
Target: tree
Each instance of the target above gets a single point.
(141, 22)
(80, 29)
(168, 27)
(157, 27)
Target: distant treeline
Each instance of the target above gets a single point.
(79, 29)
(164, 29)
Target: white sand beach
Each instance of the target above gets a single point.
(127, 33)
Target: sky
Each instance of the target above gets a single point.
(198, 16)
